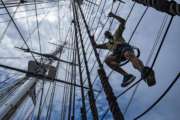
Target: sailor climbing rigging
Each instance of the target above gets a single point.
(123, 51)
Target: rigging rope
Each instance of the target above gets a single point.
(145, 11)
(28, 29)
(49, 111)
(65, 90)
(90, 92)
(129, 40)
(99, 20)
(66, 77)
(132, 34)
(42, 102)
(9, 23)
(87, 14)
(25, 4)
(160, 98)
(38, 31)
(83, 108)
(104, 80)
(100, 31)
(163, 39)
(29, 10)
(67, 95)
(92, 26)
(149, 58)
(71, 87)
(104, 40)
(74, 90)
(17, 28)
(41, 59)
(9, 78)
(18, 18)
(40, 22)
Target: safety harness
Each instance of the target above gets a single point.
(125, 61)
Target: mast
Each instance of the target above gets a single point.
(13, 102)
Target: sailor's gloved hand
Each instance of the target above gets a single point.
(110, 14)
(93, 41)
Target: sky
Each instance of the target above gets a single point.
(166, 67)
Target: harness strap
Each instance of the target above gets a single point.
(126, 61)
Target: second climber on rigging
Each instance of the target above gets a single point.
(122, 51)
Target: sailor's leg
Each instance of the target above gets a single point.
(136, 62)
(146, 73)
(112, 62)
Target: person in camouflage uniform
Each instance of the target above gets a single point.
(122, 51)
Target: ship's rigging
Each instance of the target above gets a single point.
(62, 82)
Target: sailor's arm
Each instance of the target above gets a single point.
(121, 20)
(100, 46)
